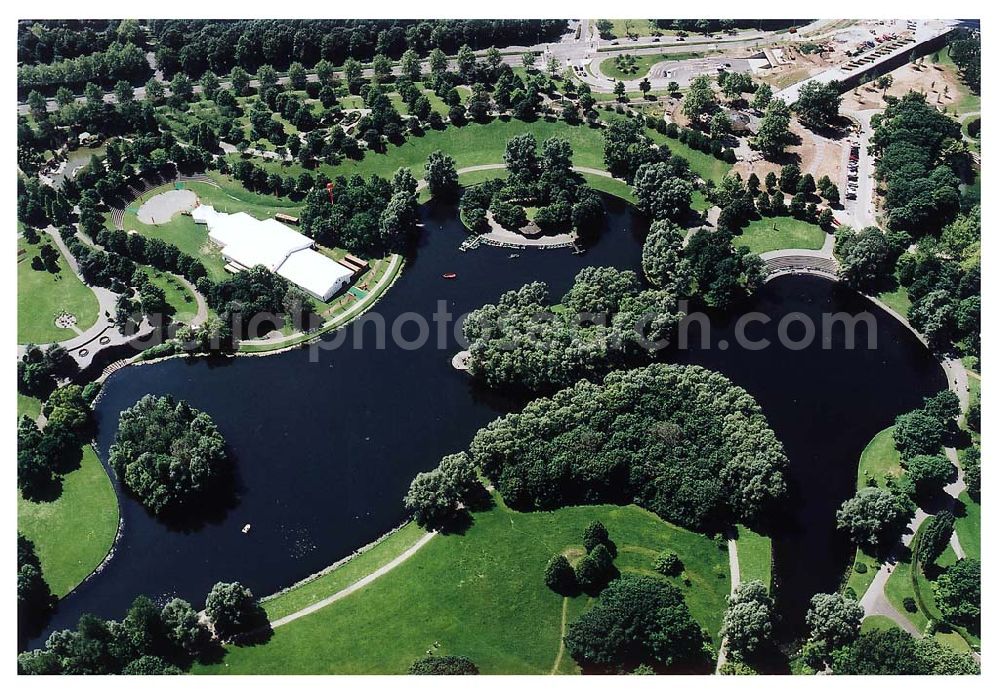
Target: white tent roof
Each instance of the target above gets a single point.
(315, 273)
(204, 214)
(249, 242)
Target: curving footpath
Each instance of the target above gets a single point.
(734, 582)
(360, 584)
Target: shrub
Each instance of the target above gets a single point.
(860, 567)
(910, 604)
(446, 665)
(559, 575)
(668, 564)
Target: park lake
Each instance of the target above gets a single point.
(325, 449)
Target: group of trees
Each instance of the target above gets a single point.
(436, 497)
(877, 515)
(638, 623)
(721, 274)
(150, 639)
(55, 40)
(198, 45)
(593, 571)
(895, 652)
(168, 454)
(117, 62)
(868, 256)
(748, 624)
(818, 105)
(543, 179)
(921, 157)
(944, 289)
(44, 455)
(35, 599)
(606, 319)
(680, 441)
(370, 217)
(966, 50)
(38, 371)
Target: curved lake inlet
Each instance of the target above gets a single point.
(326, 449)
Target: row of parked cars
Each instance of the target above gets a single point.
(852, 171)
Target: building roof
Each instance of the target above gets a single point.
(249, 242)
(315, 273)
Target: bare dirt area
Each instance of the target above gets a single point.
(941, 86)
(797, 66)
(817, 154)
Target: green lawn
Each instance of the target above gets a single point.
(879, 460)
(642, 64)
(872, 623)
(479, 594)
(27, 405)
(897, 300)
(192, 238)
(41, 296)
(860, 581)
(755, 555)
(900, 586)
(74, 533)
(968, 526)
(966, 101)
(782, 232)
(343, 576)
(479, 144)
(178, 295)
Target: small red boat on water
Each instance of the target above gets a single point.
(449, 275)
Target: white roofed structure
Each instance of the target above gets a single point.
(315, 273)
(248, 242)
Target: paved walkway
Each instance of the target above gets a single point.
(734, 582)
(361, 583)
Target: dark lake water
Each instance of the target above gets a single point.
(325, 449)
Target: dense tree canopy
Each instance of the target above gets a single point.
(957, 593)
(167, 453)
(749, 620)
(637, 620)
(148, 640)
(818, 104)
(895, 652)
(233, 610)
(683, 442)
(920, 154)
(874, 516)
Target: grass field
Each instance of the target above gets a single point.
(479, 144)
(879, 460)
(783, 232)
(344, 575)
(966, 101)
(41, 296)
(642, 64)
(192, 238)
(872, 623)
(480, 594)
(755, 555)
(27, 405)
(859, 581)
(73, 533)
(897, 300)
(178, 295)
(968, 527)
